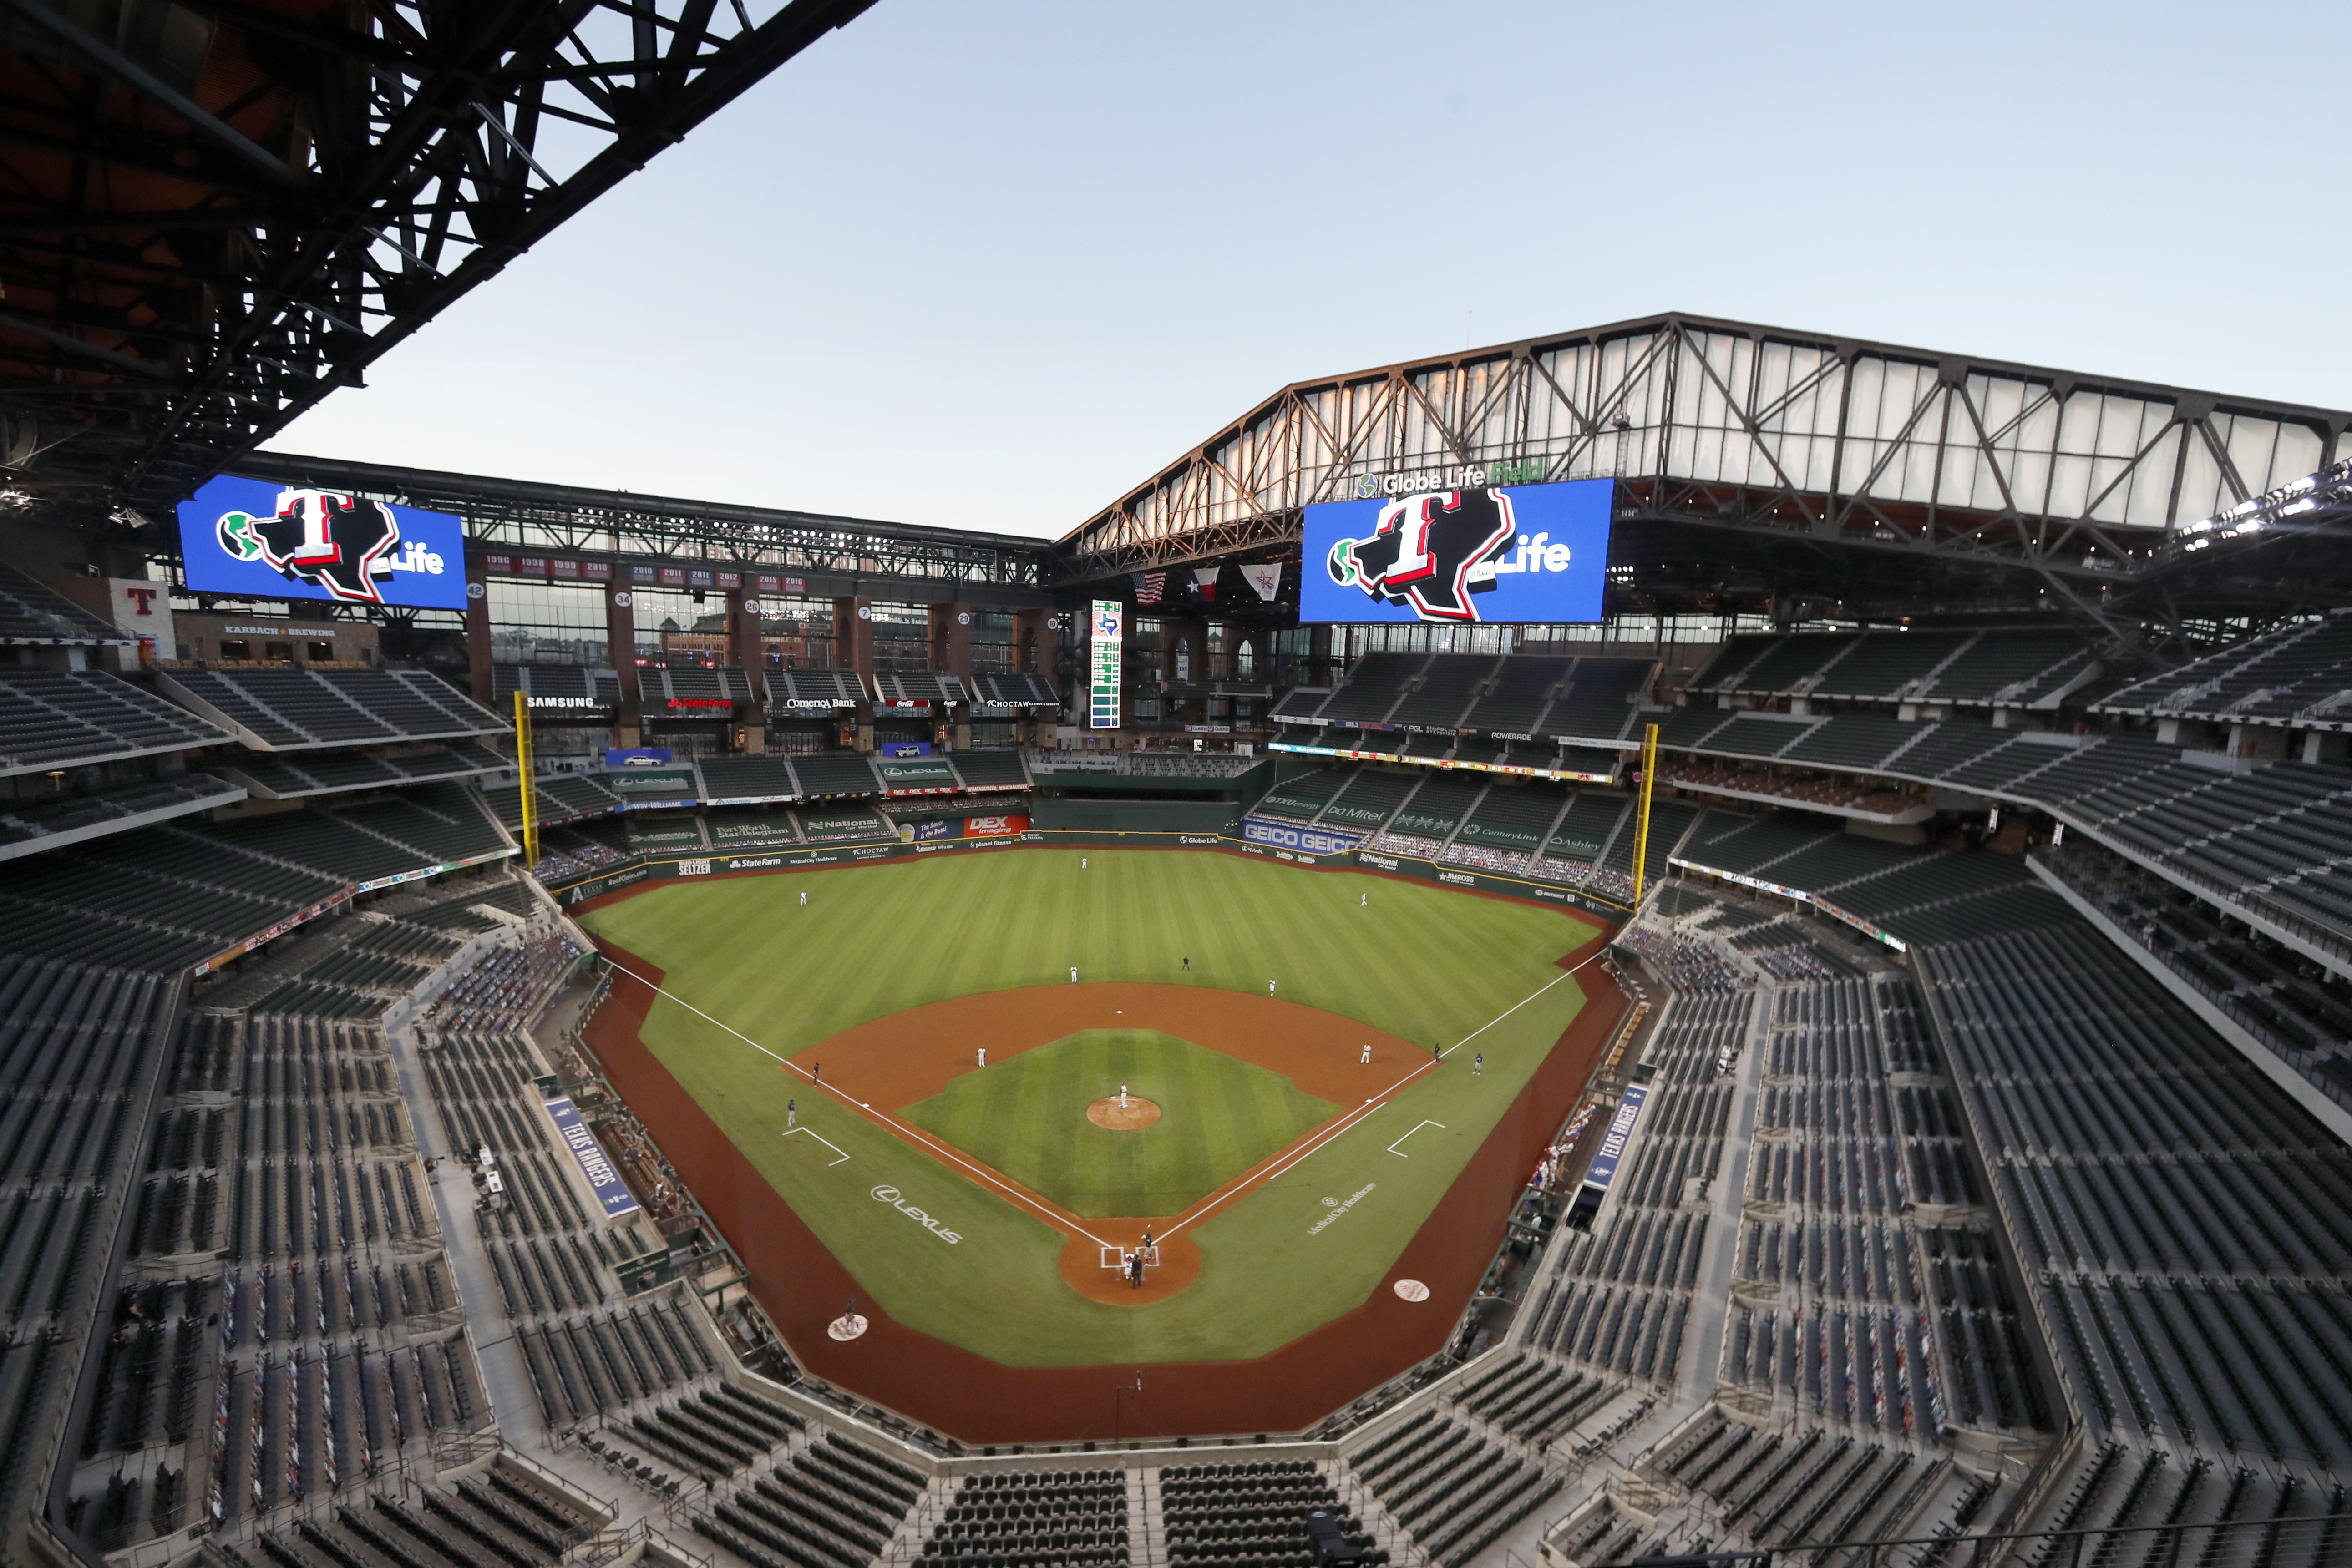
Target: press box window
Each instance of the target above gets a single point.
(321, 652)
(236, 648)
(279, 651)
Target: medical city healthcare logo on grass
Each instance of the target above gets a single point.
(890, 1195)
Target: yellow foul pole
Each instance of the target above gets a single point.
(1642, 827)
(530, 788)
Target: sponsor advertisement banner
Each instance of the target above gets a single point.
(995, 826)
(1470, 553)
(906, 748)
(432, 869)
(612, 1193)
(1440, 763)
(924, 833)
(1799, 895)
(1611, 1151)
(1313, 840)
(636, 756)
(256, 539)
(279, 929)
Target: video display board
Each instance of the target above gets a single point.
(1106, 626)
(1503, 553)
(257, 539)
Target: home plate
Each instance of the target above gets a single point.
(1406, 1290)
(851, 1325)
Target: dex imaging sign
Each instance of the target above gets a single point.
(1476, 554)
(254, 538)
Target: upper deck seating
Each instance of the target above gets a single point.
(1521, 692)
(29, 824)
(1597, 703)
(70, 718)
(32, 613)
(933, 687)
(1023, 688)
(747, 779)
(1374, 686)
(2295, 672)
(835, 688)
(1443, 694)
(289, 709)
(829, 773)
(990, 769)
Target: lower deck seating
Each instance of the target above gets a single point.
(1034, 1519)
(1252, 1513)
(1454, 1490)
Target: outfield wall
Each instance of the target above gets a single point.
(671, 867)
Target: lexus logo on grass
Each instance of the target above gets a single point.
(890, 1195)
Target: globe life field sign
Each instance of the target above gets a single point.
(254, 538)
(1477, 554)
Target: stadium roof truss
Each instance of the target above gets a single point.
(571, 520)
(218, 211)
(1783, 438)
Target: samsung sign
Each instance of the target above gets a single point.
(1474, 554)
(254, 538)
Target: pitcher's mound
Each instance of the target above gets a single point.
(1137, 1113)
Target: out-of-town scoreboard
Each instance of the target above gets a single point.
(1109, 622)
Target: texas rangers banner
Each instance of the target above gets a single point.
(1266, 579)
(1149, 586)
(612, 1193)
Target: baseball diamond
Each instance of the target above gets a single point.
(868, 1007)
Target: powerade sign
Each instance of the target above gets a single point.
(256, 539)
(1479, 553)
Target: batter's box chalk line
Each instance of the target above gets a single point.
(1116, 1256)
(828, 1142)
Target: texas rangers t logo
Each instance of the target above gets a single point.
(1430, 551)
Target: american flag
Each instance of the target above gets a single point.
(1149, 586)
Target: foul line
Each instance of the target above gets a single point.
(1356, 1118)
(909, 1134)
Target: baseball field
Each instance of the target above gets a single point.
(837, 1045)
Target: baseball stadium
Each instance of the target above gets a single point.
(1682, 941)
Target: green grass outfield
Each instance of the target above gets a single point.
(1421, 962)
(1025, 1118)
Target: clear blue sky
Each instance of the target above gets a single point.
(990, 264)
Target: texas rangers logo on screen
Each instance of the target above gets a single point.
(254, 537)
(1431, 552)
(340, 543)
(1478, 554)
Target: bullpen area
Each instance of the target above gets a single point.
(1285, 1092)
